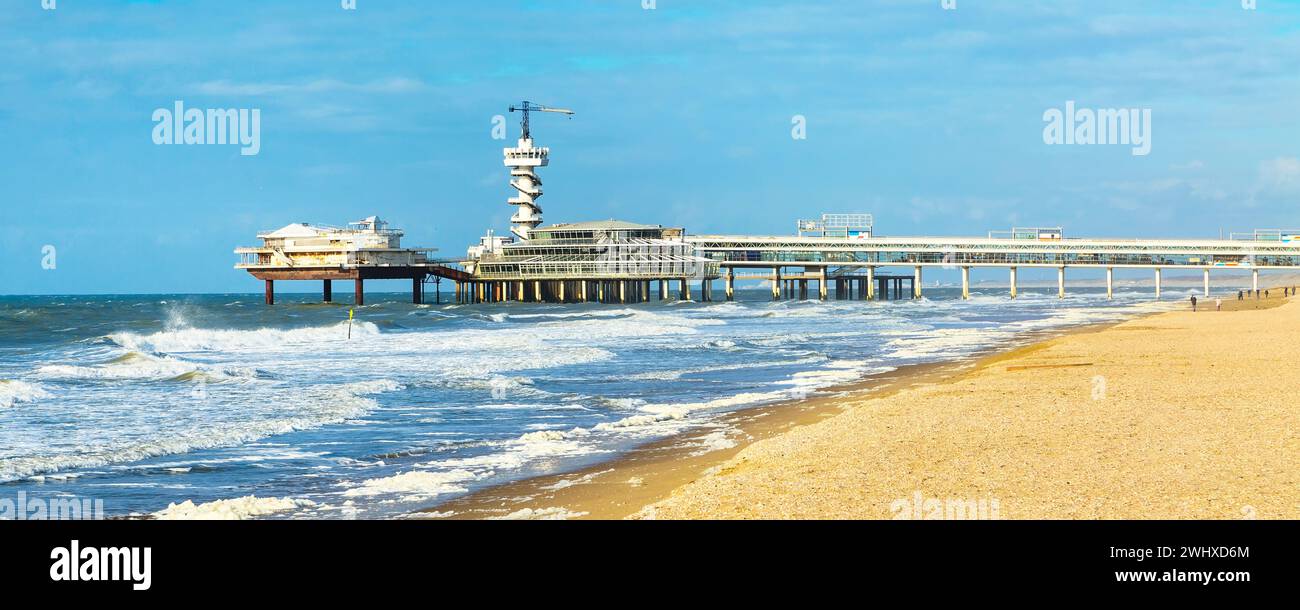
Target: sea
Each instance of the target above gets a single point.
(219, 406)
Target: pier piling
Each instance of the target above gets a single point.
(1013, 282)
(359, 292)
(327, 294)
(965, 283)
(270, 292)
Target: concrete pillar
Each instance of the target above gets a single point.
(327, 292)
(871, 283)
(916, 283)
(270, 292)
(359, 291)
(1207, 282)
(684, 289)
(1013, 282)
(417, 288)
(663, 290)
(560, 288)
(1254, 280)
(645, 291)
(803, 290)
(1060, 282)
(537, 290)
(776, 283)
(821, 284)
(731, 284)
(1157, 283)
(965, 282)
(523, 291)
(1110, 282)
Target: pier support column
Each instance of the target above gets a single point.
(1254, 280)
(327, 291)
(1013, 282)
(523, 291)
(965, 283)
(1110, 282)
(417, 288)
(270, 292)
(663, 290)
(1157, 283)
(776, 283)
(803, 290)
(821, 284)
(645, 291)
(1060, 282)
(731, 284)
(871, 283)
(916, 283)
(560, 288)
(686, 290)
(706, 290)
(359, 291)
(1207, 282)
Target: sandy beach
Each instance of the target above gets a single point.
(1174, 415)
(1177, 415)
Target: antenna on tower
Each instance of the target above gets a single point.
(523, 161)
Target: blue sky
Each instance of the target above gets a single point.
(930, 119)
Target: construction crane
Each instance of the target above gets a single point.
(526, 106)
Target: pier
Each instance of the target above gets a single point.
(614, 261)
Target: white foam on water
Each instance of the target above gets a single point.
(13, 392)
(246, 507)
(200, 339)
(414, 484)
(140, 366)
(315, 407)
(553, 513)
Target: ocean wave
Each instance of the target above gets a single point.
(201, 339)
(230, 510)
(138, 365)
(315, 408)
(415, 484)
(13, 392)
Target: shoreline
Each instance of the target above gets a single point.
(621, 486)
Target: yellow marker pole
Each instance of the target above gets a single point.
(349, 322)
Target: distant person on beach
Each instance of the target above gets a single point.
(1266, 294)
(1218, 304)
(1193, 303)
(1240, 296)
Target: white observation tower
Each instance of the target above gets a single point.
(523, 161)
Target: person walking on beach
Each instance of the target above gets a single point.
(1240, 296)
(1218, 304)
(1193, 303)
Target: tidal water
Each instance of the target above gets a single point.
(146, 401)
